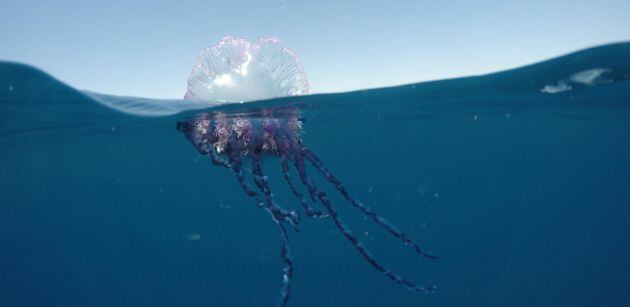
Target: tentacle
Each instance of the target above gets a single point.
(317, 163)
(285, 251)
(235, 162)
(310, 212)
(216, 160)
(287, 270)
(284, 146)
(240, 176)
(299, 164)
(291, 217)
(278, 214)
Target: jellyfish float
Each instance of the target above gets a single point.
(236, 70)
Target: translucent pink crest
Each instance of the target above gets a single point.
(236, 70)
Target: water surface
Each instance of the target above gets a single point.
(519, 180)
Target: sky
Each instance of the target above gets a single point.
(148, 48)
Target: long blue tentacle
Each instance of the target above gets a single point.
(284, 146)
(345, 230)
(278, 216)
(317, 163)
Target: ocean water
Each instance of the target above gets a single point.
(518, 180)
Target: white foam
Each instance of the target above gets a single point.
(591, 76)
(588, 77)
(562, 86)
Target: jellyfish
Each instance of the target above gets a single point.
(242, 141)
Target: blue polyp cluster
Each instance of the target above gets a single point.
(229, 139)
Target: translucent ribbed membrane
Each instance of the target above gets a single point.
(236, 70)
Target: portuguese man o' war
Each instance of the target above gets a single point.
(240, 140)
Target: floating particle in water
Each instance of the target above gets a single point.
(421, 189)
(10, 88)
(192, 236)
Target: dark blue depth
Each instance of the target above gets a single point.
(523, 194)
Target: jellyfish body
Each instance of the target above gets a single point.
(230, 140)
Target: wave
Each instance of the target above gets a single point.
(587, 68)
(33, 102)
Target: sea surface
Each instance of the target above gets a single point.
(518, 180)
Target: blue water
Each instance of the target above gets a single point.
(522, 190)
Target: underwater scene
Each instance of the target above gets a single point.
(505, 189)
